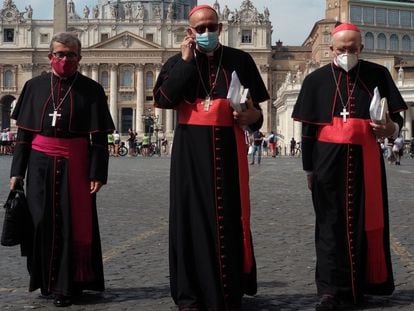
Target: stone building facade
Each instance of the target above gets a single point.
(387, 33)
(124, 44)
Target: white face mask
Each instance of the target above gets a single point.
(347, 61)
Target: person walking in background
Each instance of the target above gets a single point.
(132, 143)
(257, 146)
(145, 145)
(211, 253)
(117, 142)
(271, 139)
(63, 122)
(4, 137)
(265, 147)
(345, 171)
(292, 147)
(397, 149)
(111, 145)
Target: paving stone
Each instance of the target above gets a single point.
(133, 217)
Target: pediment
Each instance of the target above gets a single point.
(127, 40)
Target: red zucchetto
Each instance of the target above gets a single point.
(199, 7)
(345, 26)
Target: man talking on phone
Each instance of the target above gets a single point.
(211, 254)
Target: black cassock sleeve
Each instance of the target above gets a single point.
(309, 132)
(174, 78)
(99, 157)
(21, 153)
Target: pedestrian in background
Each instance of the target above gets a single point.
(292, 147)
(111, 144)
(4, 137)
(211, 254)
(397, 149)
(62, 150)
(345, 171)
(132, 143)
(117, 142)
(271, 139)
(145, 145)
(257, 147)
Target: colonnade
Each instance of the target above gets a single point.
(165, 117)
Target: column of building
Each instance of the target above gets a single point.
(113, 94)
(27, 73)
(85, 70)
(95, 72)
(264, 69)
(158, 111)
(408, 122)
(140, 99)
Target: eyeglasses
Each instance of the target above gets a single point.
(350, 50)
(62, 55)
(202, 28)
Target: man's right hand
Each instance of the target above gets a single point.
(15, 181)
(187, 48)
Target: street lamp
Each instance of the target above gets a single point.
(151, 126)
(157, 128)
(149, 120)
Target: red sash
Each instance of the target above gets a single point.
(221, 114)
(76, 152)
(359, 132)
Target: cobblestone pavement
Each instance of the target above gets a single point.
(133, 215)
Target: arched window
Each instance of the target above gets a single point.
(369, 41)
(394, 43)
(8, 79)
(105, 79)
(382, 42)
(126, 78)
(149, 80)
(406, 43)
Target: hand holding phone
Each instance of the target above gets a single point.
(187, 48)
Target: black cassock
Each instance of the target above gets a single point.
(84, 116)
(338, 188)
(206, 239)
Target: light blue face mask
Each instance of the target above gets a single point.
(207, 41)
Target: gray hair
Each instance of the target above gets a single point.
(66, 38)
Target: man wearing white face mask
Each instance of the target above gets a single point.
(211, 253)
(345, 171)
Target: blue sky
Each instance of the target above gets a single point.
(292, 20)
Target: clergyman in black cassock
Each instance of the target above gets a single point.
(61, 148)
(346, 171)
(211, 254)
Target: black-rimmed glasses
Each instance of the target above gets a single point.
(62, 55)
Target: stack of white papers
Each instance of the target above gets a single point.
(237, 94)
(378, 108)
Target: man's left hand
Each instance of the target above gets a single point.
(249, 116)
(383, 130)
(95, 186)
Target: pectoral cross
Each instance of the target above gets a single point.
(207, 103)
(54, 116)
(344, 113)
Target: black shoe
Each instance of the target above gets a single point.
(252, 163)
(45, 294)
(327, 303)
(62, 301)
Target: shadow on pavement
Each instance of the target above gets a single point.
(113, 295)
